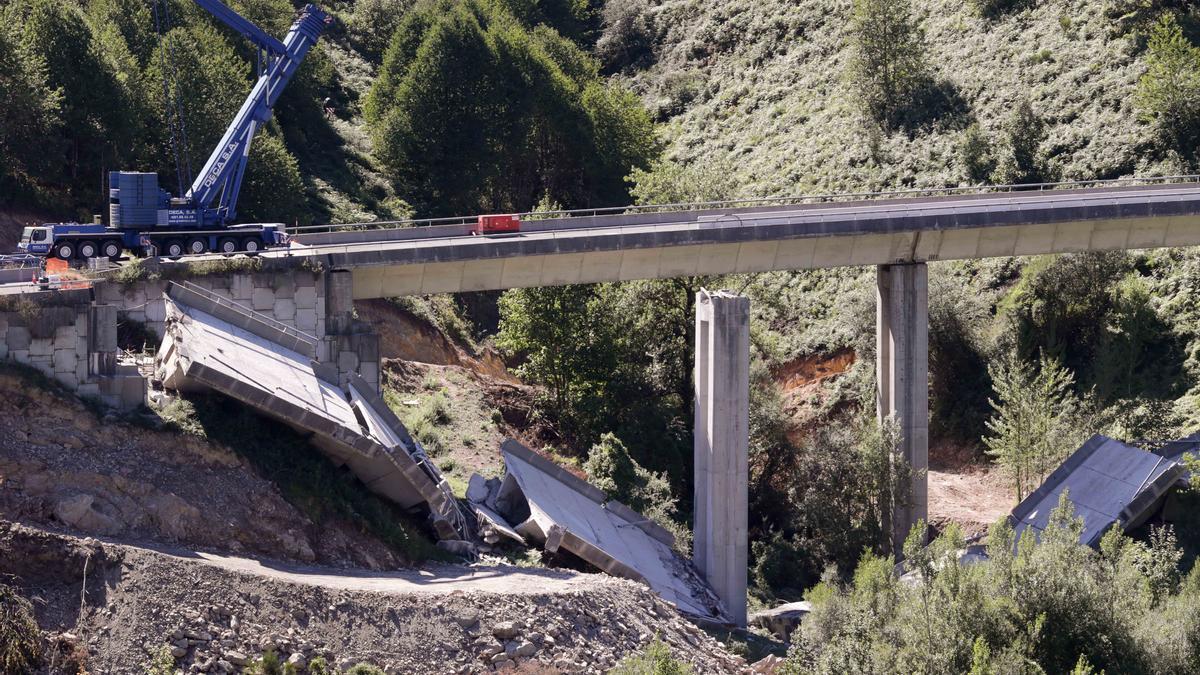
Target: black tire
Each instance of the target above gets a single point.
(251, 245)
(64, 250)
(111, 249)
(173, 249)
(197, 246)
(87, 249)
(228, 245)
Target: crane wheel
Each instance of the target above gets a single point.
(88, 249)
(197, 246)
(111, 249)
(173, 249)
(227, 246)
(64, 251)
(251, 245)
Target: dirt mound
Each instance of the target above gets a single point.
(804, 382)
(409, 338)
(208, 614)
(63, 465)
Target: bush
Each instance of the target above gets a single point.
(628, 37)
(1050, 606)
(975, 154)
(654, 659)
(994, 8)
(20, 639)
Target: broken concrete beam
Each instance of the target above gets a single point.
(565, 513)
(351, 425)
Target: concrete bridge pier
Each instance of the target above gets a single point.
(722, 438)
(902, 371)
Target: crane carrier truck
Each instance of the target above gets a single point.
(145, 219)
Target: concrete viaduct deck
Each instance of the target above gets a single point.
(620, 247)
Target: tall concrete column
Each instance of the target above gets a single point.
(902, 370)
(722, 440)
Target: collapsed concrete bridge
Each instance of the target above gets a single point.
(897, 235)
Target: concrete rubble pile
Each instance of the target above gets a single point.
(538, 501)
(212, 343)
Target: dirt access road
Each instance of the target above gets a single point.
(207, 609)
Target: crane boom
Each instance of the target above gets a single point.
(144, 219)
(222, 173)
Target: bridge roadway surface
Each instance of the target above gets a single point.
(663, 244)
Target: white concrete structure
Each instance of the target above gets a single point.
(722, 439)
(902, 372)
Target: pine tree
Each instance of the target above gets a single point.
(1030, 428)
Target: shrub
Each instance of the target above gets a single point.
(20, 639)
(654, 659)
(975, 154)
(628, 36)
(994, 8)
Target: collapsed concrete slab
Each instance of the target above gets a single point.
(1107, 482)
(543, 503)
(212, 343)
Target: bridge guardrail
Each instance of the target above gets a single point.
(464, 221)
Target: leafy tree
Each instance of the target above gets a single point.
(888, 68)
(205, 75)
(975, 153)
(1020, 160)
(1031, 429)
(28, 116)
(272, 190)
(1168, 94)
(374, 22)
(564, 342)
(610, 467)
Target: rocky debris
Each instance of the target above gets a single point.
(62, 466)
(217, 620)
(783, 620)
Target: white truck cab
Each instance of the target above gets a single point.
(36, 239)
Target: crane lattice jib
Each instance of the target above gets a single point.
(222, 173)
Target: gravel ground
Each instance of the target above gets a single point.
(217, 613)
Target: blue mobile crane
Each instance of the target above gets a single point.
(145, 219)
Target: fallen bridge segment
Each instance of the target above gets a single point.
(212, 343)
(546, 504)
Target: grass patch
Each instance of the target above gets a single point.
(305, 477)
(139, 270)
